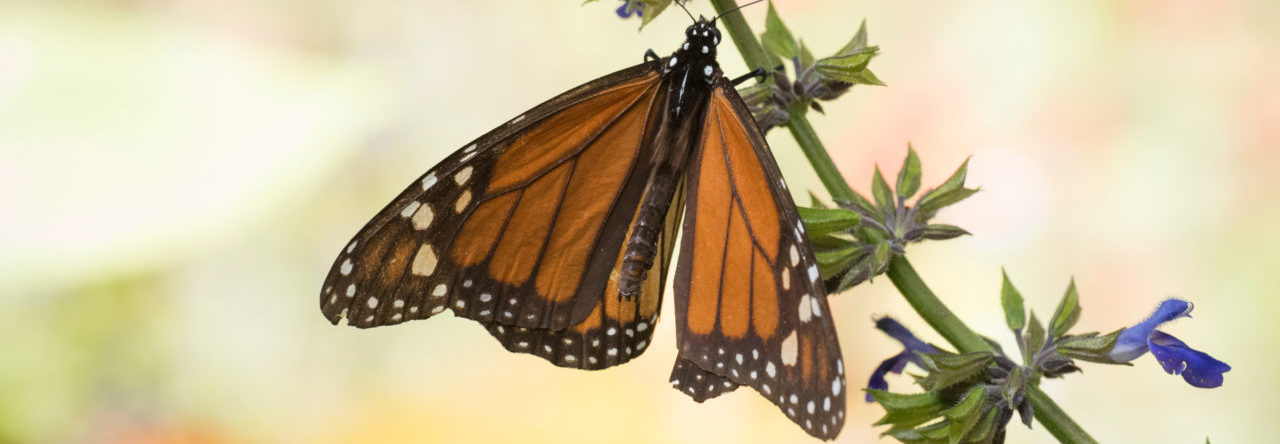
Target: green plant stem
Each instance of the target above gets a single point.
(900, 272)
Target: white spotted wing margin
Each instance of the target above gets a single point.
(788, 350)
(397, 268)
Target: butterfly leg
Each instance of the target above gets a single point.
(650, 56)
(758, 72)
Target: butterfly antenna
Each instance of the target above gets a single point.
(686, 10)
(734, 9)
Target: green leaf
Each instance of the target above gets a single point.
(943, 232)
(907, 410)
(1011, 300)
(777, 39)
(1089, 347)
(1068, 312)
(819, 221)
(1035, 339)
(948, 369)
(909, 175)
(883, 195)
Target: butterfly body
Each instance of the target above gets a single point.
(556, 232)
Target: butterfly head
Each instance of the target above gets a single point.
(702, 37)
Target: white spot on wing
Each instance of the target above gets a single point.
(440, 290)
(789, 350)
(806, 308)
(771, 369)
(424, 263)
(423, 217)
(835, 386)
(463, 175)
(373, 302)
(463, 201)
(409, 209)
(817, 308)
(470, 148)
(428, 181)
(813, 273)
(346, 267)
(795, 255)
(351, 290)
(351, 247)
(707, 70)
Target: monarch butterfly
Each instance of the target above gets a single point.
(547, 231)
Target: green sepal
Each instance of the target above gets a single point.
(1014, 386)
(948, 193)
(1014, 316)
(1089, 347)
(815, 202)
(1035, 339)
(965, 414)
(858, 203)
(832, 262)
(847, 67)
(881, 192)
(936, 433)
(880, 258)
(948, 369)
(909, 174)
(858, 42)
(1068, 312)
(821, 221)
(777, 39)
(806, 57)
(938, 201)
(943, 232)
(907, 410)
(985, 430)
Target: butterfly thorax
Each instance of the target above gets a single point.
(692, 69)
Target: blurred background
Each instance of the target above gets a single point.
(176, 177)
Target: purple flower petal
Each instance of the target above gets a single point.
(1197, 367)
(894, 364)
(627, 9)
(898, 362)
(908, 340)
(1132, 342)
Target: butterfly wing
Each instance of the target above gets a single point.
(750, 307)
(617, 329)
(519, 230)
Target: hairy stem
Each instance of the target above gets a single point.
(900, 272)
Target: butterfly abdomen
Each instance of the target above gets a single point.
(642, 245)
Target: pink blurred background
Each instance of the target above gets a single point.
(176, 176)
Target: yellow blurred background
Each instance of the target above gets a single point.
(176, 177)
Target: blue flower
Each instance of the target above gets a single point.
(629, 7)
(898, 362)
(1196, 367)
